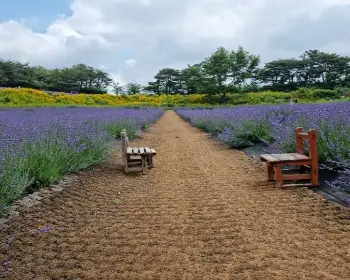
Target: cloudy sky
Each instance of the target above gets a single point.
(133, 39)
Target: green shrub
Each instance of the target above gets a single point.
(13, 180)
(316, 94)
(248, 133)
(48, 161)
(30, 97)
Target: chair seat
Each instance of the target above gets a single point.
(138, 151)
(281, 158)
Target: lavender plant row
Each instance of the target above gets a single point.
(244, 126)
(39, 146)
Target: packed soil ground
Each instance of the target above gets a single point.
(204, 212)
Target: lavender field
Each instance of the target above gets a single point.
(246, 126)
(39, 146)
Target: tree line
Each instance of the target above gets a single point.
(224, 71)
(79, 78)
(238, 71)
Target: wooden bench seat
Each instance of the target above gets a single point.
(275, 162)
(136, 158)
(142, 152)
(285, 157)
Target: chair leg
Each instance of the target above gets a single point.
(270, 172)
(278, 176)
(150, 161)
(144, 165)
(314, 176)
(126, 164)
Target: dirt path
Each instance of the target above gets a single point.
(204, 212)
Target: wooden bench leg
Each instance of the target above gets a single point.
(150, 161)
(144, 165)
(125, 168)
(126, 164)
(314, 177)
(270, 172)
(278, 176)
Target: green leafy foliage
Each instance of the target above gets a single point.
(80, 77)
(248, 133)
(133, 88)
(236, 71)
(14, 181)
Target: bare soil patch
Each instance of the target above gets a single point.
(203, 212)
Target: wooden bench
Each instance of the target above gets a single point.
(135, 158)
(275, 162)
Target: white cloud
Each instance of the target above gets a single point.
(117, 77)
(130, 62)
(173, 33)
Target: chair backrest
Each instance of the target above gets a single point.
(124, 139)
(124, 145)
(310, 137)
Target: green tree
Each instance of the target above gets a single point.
(3, 77)
(282, 74)
(133, 88)
(167, 79)
(79, 77)
(191, 78)
(117, 88)
(313, 68)
(325, 69)
(216, 69)
(15, 74)
(226, 70)
(154, 87)
(39, 77)
(242, 66)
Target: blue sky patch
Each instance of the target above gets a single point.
(39, 12)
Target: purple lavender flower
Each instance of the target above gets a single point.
(43, 229)
(347, 201)
(63, 139)
(8, 242)
(5, 268)
(331, 120)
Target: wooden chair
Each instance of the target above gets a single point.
(275, 162)
(133, 158)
